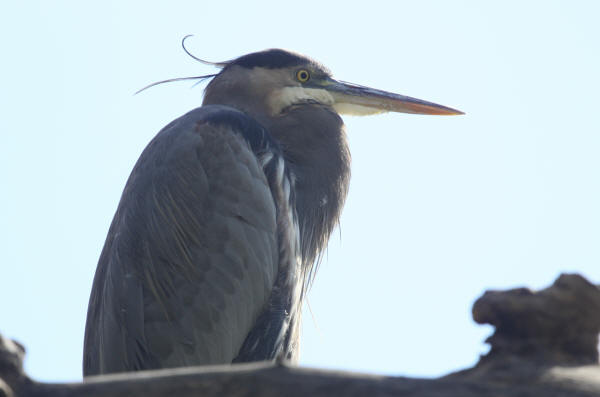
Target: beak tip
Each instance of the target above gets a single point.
(452, 112)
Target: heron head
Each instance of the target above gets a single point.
(271, 82)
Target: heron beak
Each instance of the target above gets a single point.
(360, 100)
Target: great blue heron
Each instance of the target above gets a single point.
(224, 216)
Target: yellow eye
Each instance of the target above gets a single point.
(302, 75)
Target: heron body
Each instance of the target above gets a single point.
(224, 216)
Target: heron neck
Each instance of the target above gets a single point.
(313, 141)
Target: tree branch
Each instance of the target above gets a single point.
(536, 351)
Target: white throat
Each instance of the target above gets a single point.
(287, 96)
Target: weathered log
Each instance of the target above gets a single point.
(545, 344)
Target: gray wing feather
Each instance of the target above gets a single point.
(191, 255)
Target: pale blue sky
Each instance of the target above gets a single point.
(439, 210)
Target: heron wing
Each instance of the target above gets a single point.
(191, 255)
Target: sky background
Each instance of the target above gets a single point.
(439, 210)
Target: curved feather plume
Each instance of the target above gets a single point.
(220, 65)
(199, 78)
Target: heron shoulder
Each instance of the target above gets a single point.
(257, 136)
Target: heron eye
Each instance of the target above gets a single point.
(302, 75)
